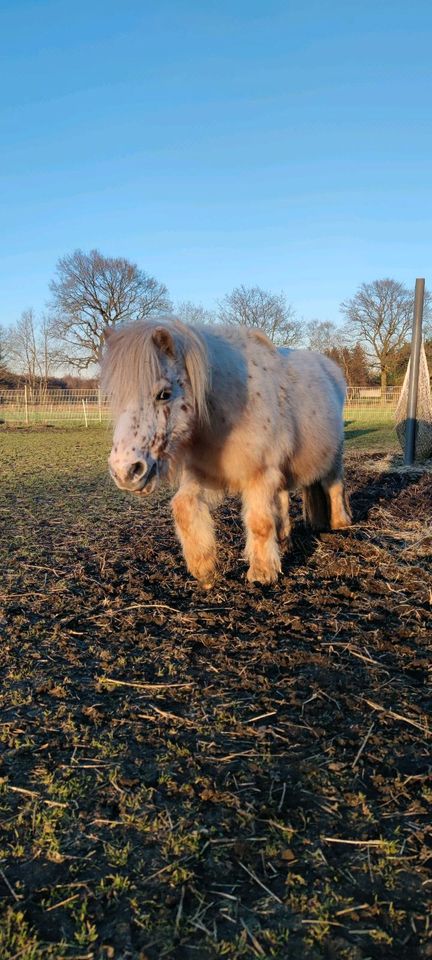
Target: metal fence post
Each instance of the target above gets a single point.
(26, 404)
(410, 434)
(85, 413)
(100, 404)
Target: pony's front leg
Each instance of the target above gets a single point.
(195, 530)
(262, 549)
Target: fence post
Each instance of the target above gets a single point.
(100, 404)
(26, 404)
(410, 434)
(85, 412)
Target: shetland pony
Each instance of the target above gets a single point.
(221, 409)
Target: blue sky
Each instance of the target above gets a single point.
(284, 144)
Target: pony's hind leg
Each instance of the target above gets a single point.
(333, 484)
(195, 530)
(316, 506)
(340, 513)
(325, 504)
(283, 523)
(262, 550)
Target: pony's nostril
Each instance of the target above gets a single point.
(136, 471)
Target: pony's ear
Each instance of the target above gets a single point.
(164, 341)
(107, 333)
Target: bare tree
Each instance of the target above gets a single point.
(380, 316)
(31, 350)
(323, 336)
(91, 292)
(269, 312)
(4, 348)
(353, 362)
(23, 348)
(49, 354)
(194, 313)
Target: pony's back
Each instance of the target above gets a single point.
(308, 362)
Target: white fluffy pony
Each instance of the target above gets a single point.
(221, 409)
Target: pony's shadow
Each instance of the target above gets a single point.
(353, 434)
(303, 544)
(374, 489)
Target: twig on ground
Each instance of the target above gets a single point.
(253, 939)
(398, 716)
(10, 888)
(356, 843)
(33, 793)
(259, 882)
(360, 751)
(62, 903)
(142, 686)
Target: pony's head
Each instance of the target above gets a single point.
(156, 376)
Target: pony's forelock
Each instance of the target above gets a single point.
(131, 363)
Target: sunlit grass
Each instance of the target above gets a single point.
(71, 450)
(371, 428)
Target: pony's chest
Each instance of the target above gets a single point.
(227, 462)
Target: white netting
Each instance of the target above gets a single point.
(423, 443)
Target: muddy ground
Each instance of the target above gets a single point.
(244, 773)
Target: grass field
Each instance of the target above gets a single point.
(371, 429)
(239, 774)
(366, 427)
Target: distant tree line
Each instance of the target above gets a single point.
(91, 292)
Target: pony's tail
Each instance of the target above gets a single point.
(316, 507)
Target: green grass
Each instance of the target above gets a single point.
(371, 429)
(72, 447)
(27, 453)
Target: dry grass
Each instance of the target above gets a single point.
(241, 774)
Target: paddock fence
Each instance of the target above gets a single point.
(26, 406)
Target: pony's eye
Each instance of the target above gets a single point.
(164, 394)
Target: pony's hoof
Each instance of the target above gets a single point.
(205, 578)
(341, 523)
(206, 584)
(264, 575)
(204, 572)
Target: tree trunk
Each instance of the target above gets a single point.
(383, 382)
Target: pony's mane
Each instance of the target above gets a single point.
(131, 363)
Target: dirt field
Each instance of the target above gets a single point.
(239, 774)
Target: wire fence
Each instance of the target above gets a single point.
(53, 406)
(89, 406)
